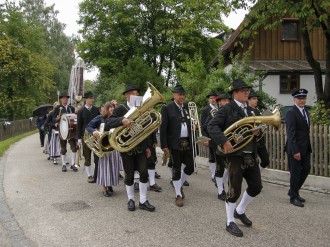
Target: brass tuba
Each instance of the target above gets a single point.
(240, 133)
(144, 121)
(100, 146)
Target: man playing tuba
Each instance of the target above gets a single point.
(240, 163)
(136, 158)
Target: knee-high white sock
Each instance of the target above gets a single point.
(143, 192)
(73, 158)
(63, 160)
(177, 186)
(89, 171)
(136, 177)
(183, 178)
(183, 166)
(261, 168)
(130, 192)
(219, 184)
(225, 176)
(151, 176)
(212, 168)
(246, 200)
(230, 208)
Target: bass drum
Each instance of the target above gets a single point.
(68, 126)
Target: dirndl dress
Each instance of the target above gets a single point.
(108, 170)
(54, 145)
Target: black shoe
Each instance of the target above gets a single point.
(296, 202)
(186, 183)
(106, 193)
(243, 218)
(147, 206)
(131, 205)
(110, 189)
(136, 186)
(301, 199)
(155, 187)
(64, 169)
(234, 230)
(222, 196)
(55, 162)
(120, 176)
(157, 175)
(74, 168)
(213, 179)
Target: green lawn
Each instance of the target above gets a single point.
(4, 145)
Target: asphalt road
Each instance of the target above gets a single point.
(42, 206)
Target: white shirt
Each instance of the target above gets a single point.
(184, 127)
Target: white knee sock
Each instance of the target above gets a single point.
(89, 171)
(130, 192)
(73, 158)
(63, 160)
(246, 200)
(183, 166)
(184, 177)
(212, 168)
(230, 208)
(177, 186)
(219, 184)
(143, 192)
(151, 176)
(136, 177)
(261, 168)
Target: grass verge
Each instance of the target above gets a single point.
(5, 144)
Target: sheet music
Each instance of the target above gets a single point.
(135, 100)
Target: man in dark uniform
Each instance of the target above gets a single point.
(64, 108)
(240, 163)
(298, 145)
(212, 97)
(135, 159)
(222, 100)
(40, 126)
(175, 137)
(84, 116)
(261, 143)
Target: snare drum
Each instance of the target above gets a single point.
(68, 126)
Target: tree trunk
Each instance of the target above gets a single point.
(316, 67)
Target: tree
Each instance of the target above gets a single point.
(312, 14)
(163, 33)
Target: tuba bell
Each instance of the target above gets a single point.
(99, 145)
(144, 120)
(240, 133)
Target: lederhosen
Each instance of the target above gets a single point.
(242, 163)
(135, 159)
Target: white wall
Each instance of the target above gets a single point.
(271, 85)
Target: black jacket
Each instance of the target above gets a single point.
(61, 110)
(297, 131)
(170, 128)
(224, 118)
(204, 115)
(84, 116)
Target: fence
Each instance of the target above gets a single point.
(275, 142)
(14, 128)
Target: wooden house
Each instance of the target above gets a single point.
(280, 54)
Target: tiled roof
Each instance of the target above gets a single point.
(283, 65)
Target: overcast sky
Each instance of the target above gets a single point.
(68, 14)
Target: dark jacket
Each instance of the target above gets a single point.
(170, 128)
(115, 120)
(224, 118)
(297, 131)
(40, 122)
(84, 116)
(61, 110)
(204, 115)
(49, 124)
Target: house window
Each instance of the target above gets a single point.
(289, 82)
(290, 29)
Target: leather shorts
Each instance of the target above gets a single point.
(184, 144)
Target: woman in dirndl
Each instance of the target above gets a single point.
(54, 143)
(109, 164)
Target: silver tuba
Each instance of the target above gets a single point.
(144, 120)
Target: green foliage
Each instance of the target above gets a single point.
(198, 82)
(320, 114)
(36, 57)
(163, 33)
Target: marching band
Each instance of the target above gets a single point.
(234, 151)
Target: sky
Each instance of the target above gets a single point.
(68, 14)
